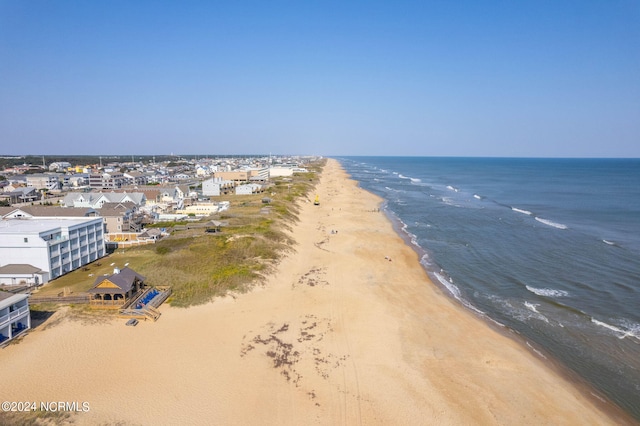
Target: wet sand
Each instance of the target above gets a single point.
(348, 330)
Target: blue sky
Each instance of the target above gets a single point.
(442, 78)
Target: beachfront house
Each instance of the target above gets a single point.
(113, 291)
(248, 189)
(22, 275)
(15, 317)
(217, 186)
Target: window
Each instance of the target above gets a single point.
(26, 240)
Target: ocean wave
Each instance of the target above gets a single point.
(476, 196)
(517, 210)
(547, 292)
(449, 201)
(516, 310)
(401, 176)
(412, 237)
(533, 307)
(415, 180)
(393, 189)
(452, 188)
(455, 292)
(630, 330)
(611, 243)
(453, 289)
(551, 223)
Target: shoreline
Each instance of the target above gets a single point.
(587, 389)
(338, 334)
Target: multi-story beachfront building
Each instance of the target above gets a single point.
(14, 315)
(112, 180)
(56, 246)
(217, 186)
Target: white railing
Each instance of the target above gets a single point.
(13, 315)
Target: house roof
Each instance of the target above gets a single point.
(151, 232)
(19, 268)
(7, 299)
(123, 281)
(23, 190)
(109, 197)
(47, 211)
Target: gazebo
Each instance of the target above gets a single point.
(113, 291)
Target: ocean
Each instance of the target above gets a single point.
(547, 248)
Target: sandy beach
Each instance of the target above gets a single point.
(349, 330)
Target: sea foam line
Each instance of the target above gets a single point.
(536, 351)
(547, 292)
(533, 307)
(551, 223)
(455, 291)
(517, 210)
(620, 333)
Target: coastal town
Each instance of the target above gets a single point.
(58, 217)
(293, 308)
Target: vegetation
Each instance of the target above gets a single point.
(199, 265)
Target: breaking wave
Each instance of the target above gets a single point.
(551, 223)
(548, 292)
(632, 331)
(517, 210)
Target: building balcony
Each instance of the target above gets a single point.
(5, 319)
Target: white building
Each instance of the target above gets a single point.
(56, 246)
(285, 170)
(95, 200)
(50, 182)
(22, 275)
(200, 209)
(216, 186)
(248, 189)
(14, 315)
(59, 166)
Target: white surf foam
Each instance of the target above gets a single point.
(547, 292)
(476, 196)
(455, 292)
(536, 351)
(412, 237)
(449, 201)
(517, 210)
(611, 243)
(534, 308)
(551, 223)
(452, 188)
(415, 180)
(393, 189)
(619, 332)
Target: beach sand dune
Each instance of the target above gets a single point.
(348, 330)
